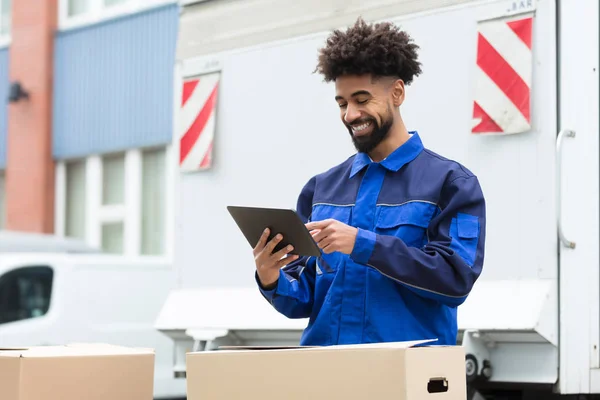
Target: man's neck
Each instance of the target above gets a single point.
(397, 137)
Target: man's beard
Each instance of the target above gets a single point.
(365, 144)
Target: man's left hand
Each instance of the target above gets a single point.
(332, 235)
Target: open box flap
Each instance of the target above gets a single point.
(384, 345)
(265, 347)
(76, 349)
(12, 351)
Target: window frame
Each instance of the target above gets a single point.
(190, 2)
(98, 12)
(129, 213)
(6, 38)
(167, 204)
(3, 202)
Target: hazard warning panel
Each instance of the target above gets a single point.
(502, 102)
(197, 122)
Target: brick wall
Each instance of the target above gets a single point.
(30, 168)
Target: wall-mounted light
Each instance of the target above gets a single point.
(16, 92)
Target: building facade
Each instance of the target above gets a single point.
(87, 153)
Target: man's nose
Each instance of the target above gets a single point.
(351, 115)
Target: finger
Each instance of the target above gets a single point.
(317, 224)
(283, 252)
(321, 235)
(329, 248)
(272, 243)
(285, 261)
(261, 241)
(326, 242)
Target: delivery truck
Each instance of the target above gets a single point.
(509, 88)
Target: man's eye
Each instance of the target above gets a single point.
(342, 105)
(363, 101)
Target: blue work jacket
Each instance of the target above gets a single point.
(418, 251)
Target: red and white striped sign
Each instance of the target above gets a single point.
(197, 122)
(502, 103)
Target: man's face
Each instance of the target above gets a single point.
(365, 109)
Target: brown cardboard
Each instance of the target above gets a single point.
(396, 371)
(75, 372)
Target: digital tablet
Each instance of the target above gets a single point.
(252, 221)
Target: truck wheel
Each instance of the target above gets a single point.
(471, 368)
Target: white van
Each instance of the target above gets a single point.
(56, 291)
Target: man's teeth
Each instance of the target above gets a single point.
(361, 127)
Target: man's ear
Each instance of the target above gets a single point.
(397, 90)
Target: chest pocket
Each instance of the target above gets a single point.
(408, 221)
(329, 263)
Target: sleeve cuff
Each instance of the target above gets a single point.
(283, 286)
(363, 246)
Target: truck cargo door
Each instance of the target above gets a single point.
(578, 206)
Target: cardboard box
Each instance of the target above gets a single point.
(76, 372)
(399, 371)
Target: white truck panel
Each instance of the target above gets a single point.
(213, 26)
(527, 307)
(268, 97)
(579, 278)
(222, 308)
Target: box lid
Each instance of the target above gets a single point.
(74, 349)
(383, 345)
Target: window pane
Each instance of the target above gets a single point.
(5, 9)
(78, 7)
(2, 200)
(112, 238)
(25, 293)
(153, 202)
(113, 180)
(108, 3)
(75, 200)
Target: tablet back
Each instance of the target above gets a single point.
(252, 221)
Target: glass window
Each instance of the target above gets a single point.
(2, 200)
(112, 237)
(153, 202)
(109, 3)
(5, 17)
(75, 200)
(82, 12)
(78, 7)
(25, 293)
(113, 180)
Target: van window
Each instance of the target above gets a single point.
(25, 293)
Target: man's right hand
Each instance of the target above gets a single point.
(268, 263)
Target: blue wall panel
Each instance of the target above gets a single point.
(4, 83)
(113, 86)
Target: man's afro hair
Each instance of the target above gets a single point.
(381, 49)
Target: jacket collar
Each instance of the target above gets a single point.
(399, 157)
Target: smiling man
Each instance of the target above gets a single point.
(402, 229)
